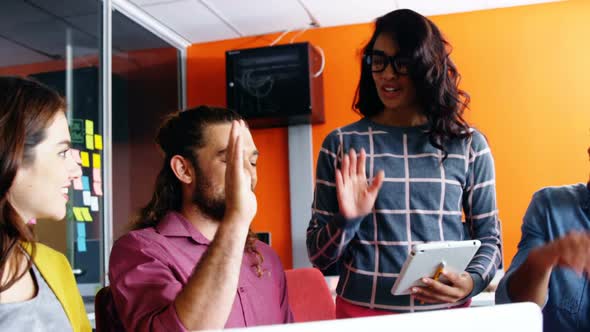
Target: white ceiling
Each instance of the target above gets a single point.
(198, 21)
(35, 30)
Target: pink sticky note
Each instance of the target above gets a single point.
(96, 175)
(76, 155)
(97, 188)
(77, 182)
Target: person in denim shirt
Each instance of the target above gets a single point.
(552, 265)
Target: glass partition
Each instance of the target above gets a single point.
(61, 43)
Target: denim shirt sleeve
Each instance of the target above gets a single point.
(533, 235)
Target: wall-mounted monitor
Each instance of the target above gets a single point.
(276, 85)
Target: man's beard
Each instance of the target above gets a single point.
(205, 200)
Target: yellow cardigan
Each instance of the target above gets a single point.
(57, 272)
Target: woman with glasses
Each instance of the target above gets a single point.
(405, 173)
(37, 287)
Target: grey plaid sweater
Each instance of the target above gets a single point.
(421, 200)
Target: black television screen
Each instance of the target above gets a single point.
(271, 83)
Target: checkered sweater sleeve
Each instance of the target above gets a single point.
(328, 232)
(481, 213)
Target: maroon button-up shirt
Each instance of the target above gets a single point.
(149, 267)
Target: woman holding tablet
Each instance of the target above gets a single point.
(404, 174)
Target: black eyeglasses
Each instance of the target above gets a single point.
(378, 61)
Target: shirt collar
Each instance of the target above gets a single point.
(174, 224)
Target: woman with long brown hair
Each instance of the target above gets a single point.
(37, 287)
(404, 174)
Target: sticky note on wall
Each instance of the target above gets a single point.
(81, 236)
(85, 158)
(89, 127)
(81, 244)
(86, 198)
(98, 142)
(86, 214)
(78, 214)
(94, 203)
(81, 230)
(85, 183)
(78, 185)
(77, 130)
(96, 160)
(90, 142)
(97, 188)
(96, 175)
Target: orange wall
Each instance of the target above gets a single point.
(526, 69)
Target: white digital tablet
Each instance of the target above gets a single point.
(428, 259)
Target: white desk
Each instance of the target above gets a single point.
(508, 317)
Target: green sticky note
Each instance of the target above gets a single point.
(77, 131)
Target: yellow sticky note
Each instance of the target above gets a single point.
(95, 160)
(86, 214)
(90, 142)
(89, 127)
(85, 159)
(98, 142)
(78, 214)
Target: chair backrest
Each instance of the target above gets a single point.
(106, 317)
(309, 296)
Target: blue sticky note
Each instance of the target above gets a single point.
(81, 236)
(81, 230)
(81, 242)
(85, 183)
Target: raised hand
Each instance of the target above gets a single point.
(356, 196)
(240, 199)
(571, 251)
(530, 281)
